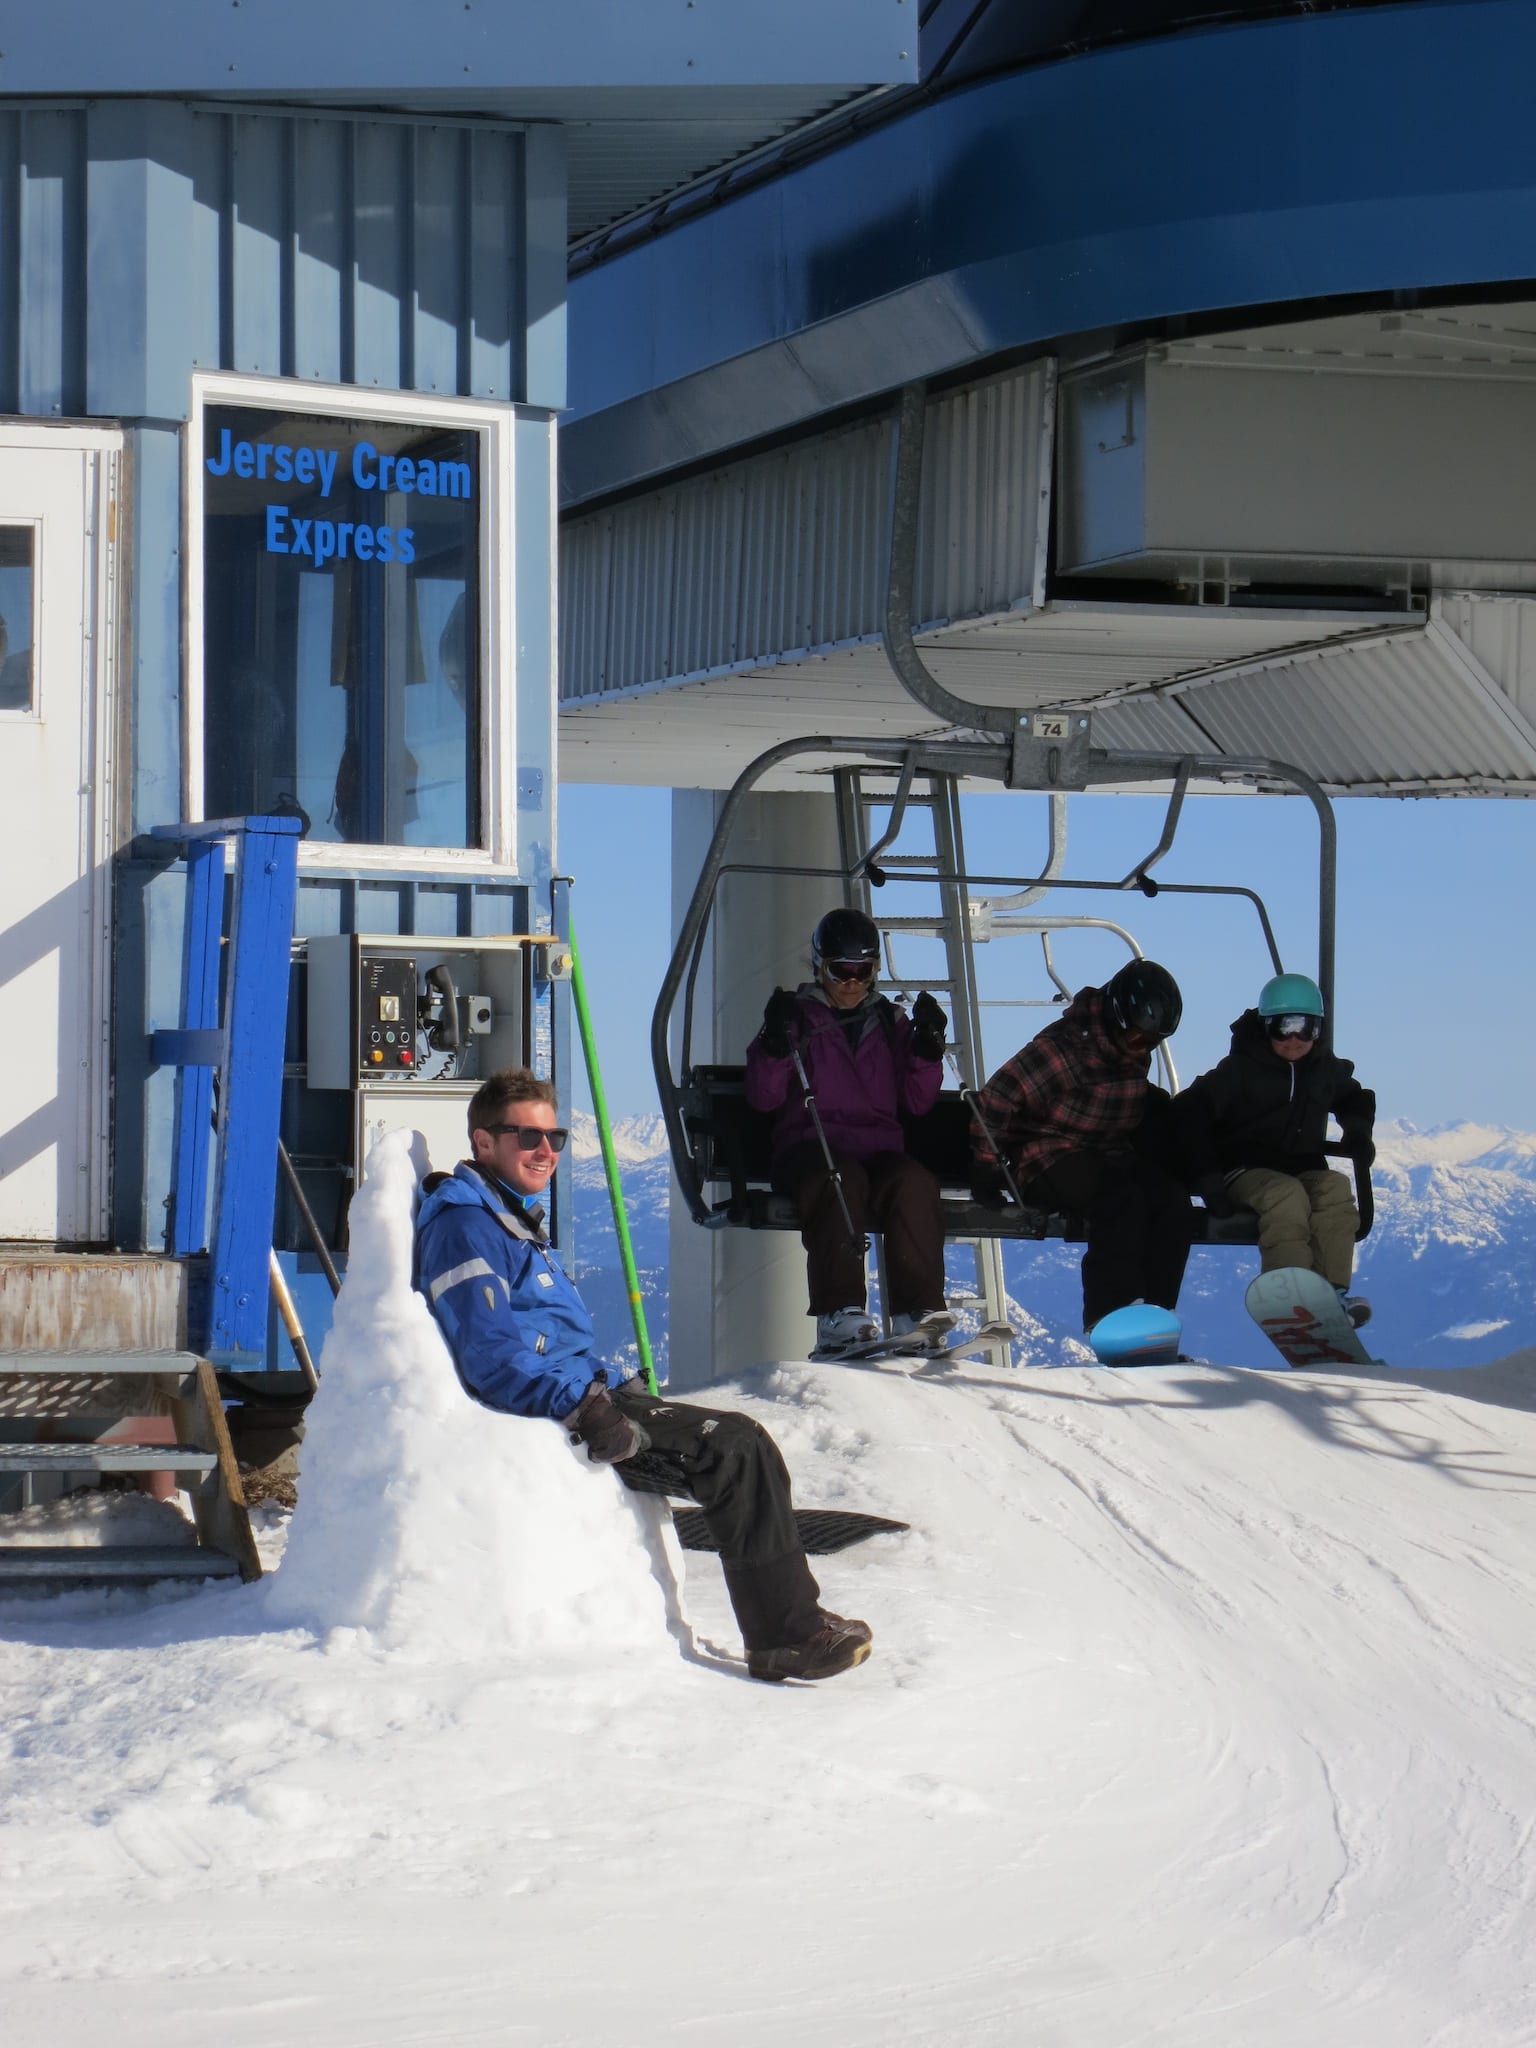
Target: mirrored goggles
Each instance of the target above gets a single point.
(1295, 1026)
(850, 970)
(531, 1136)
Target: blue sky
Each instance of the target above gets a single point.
(1436, 970)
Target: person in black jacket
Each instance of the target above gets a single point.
(1254, 1128)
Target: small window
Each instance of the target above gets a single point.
(341, 639)
(17, 583)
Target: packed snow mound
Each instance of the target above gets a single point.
(440, 1527)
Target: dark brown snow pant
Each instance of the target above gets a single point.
(733, 1468)
(885, 1191)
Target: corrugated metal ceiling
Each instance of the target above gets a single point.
(701, 734)
(630, 147)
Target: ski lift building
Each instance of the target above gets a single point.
(282, 347)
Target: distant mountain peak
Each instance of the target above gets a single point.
(636, 1139)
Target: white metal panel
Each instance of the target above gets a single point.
(1501, 634)
(56, 840)
(1412, 711)
(784, 554)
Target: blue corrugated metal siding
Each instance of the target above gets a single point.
(140, 241)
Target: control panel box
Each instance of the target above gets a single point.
(415, 1013)
(386, 1013)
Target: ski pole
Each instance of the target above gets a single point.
(968, 1097)
(856, 1238)
(611, 1168)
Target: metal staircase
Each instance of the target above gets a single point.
(96, 1414)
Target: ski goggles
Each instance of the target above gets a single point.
(531, 1136)
(850, 970)
(1294, 1025)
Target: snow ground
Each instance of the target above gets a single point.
(1201, 1712)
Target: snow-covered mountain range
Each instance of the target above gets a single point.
(1449, 1265)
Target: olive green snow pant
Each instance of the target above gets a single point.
(1305, 1219)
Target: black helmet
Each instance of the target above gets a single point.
(845, 935)
(1144, 997)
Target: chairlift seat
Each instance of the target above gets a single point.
(733, 1145)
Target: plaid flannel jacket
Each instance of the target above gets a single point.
(1071, 1089)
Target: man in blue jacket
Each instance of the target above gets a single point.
(521, 1338)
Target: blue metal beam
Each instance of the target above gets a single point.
(1251, 165)
(251, 1089)
(373, 46)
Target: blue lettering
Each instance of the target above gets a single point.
(277, 519)
(221, 467)
(405, 473)
(325, 541)
(362, 543)
(283, 466)
(426, 479)
(263, 451)
(304, 465)
(300, 536)
(453, 480)
(362, 475)
(342, 533)
(386, 544)
(245, 459)
(327, 460)
(405, 544)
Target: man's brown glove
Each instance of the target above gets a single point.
(609, 1434)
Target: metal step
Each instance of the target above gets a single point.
(109, 1360)
(99, 1457)
(63, 1301)
(138, 1563)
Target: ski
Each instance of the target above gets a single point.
(917, 1349)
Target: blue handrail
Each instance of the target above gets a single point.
(244, 1048)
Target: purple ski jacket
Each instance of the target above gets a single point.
(862, 1080)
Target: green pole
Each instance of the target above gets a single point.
(611, 1165)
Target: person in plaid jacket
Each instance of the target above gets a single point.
(1081, 1128)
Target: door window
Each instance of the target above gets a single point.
(17, 600)
(341, 634)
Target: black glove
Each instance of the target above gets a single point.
(609, 1434)
(1212, 1190)
(929, 1025)
(781, 1013)
(1358, 1142)
(988, 1187)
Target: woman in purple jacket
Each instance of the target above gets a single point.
(866, 1063)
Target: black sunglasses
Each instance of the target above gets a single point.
(531, 1136)
(851, 970)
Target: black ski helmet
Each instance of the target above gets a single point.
(845, 935)
(1144, 997)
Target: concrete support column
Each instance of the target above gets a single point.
(738, 1297)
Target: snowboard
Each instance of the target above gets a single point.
(1138, 1335)
(915, 1350)
(1302, 1317)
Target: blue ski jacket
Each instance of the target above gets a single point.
(520, 1334)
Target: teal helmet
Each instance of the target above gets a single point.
(1290, 995)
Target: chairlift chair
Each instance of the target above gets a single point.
(717, 1141)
